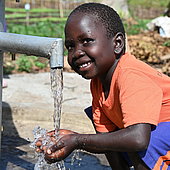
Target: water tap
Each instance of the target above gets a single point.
(57, 59)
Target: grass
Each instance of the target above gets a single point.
(167, 43)
(18, 15)
(44, 29)
(34, 20)
(138, 27)
(34, 10)
(149, 3)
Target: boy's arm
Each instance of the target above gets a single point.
(131, 139)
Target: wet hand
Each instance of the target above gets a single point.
(62, 148)
(42, 147)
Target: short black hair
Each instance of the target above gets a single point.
(104, 14)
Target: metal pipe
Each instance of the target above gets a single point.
(2, 19)
(51, 48)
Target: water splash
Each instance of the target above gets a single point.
(41, 162)
(76, 158)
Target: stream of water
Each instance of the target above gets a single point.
(57, 94)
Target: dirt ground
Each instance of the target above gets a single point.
(150, 48)
(28, 103)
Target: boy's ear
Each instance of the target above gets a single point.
(119, 43)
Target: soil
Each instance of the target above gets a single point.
(149, 47)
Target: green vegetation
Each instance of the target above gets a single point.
(136, 28)
(25, 63)
(44, 29)
(149, 3)
(35, 15)
(35, 10)
(8, 68)
(34, 20)
(167, 43)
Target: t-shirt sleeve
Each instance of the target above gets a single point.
(140, 99)
(101, 122)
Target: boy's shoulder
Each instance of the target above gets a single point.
(129, 62)
(132, 68)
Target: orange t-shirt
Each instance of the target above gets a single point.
(138, 94)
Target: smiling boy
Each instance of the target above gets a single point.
(131, 100)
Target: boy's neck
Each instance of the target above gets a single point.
(106, 80)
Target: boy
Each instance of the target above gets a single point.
(131, 100)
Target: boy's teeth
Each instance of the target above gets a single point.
(84, 65)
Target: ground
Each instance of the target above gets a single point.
(27, 103)
(151, 48)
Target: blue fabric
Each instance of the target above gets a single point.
(159, 145)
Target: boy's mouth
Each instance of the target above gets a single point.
(85, 64)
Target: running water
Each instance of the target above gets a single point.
(57, 91)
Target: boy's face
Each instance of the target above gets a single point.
(90, 52)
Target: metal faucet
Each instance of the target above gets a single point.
(51, 48)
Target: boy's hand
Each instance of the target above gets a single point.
(62, 148)
(43, 148)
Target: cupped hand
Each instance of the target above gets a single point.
(51, 135)
(62, 148)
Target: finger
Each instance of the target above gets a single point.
(53, 139)
(52, 158)
(38, 143)
(38, 150)
(51, 133)
(66, 132)
(44, 148)
(56, 156)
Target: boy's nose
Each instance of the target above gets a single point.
(79, 53)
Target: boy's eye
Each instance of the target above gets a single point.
(69, 46)
(87, 40)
